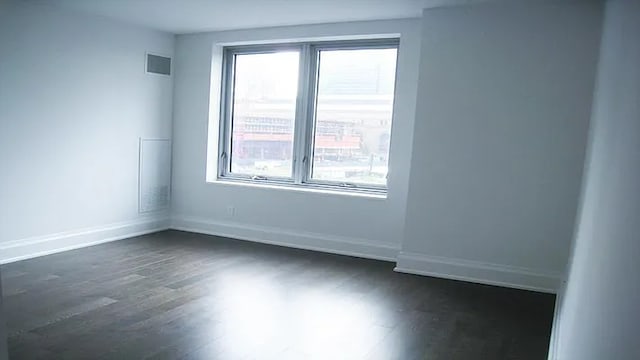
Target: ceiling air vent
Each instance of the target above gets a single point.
(157, 64)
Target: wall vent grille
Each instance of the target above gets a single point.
(157, 64)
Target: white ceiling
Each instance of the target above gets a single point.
(186, 16)
(189, 16)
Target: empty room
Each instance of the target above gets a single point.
(320, 179)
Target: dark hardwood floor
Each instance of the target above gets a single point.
(174, 295)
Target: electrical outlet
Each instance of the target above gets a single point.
(231, 211)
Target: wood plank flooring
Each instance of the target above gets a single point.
(178, 295)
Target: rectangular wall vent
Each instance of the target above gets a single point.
(157, 64)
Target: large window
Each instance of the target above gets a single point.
(311, 114)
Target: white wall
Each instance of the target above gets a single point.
(350, 224)
(599, 317)
(504, 101)
(74, 99)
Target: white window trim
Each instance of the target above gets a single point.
(304, 124)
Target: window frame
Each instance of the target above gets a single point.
(305, 112)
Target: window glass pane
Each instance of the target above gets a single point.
(354, 107)
(264, 106)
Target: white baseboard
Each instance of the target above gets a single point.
(478, 272)
(22, 249)
(412, 263)
(290, 238)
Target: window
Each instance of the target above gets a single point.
(309, 114)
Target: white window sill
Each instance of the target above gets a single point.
(300, 188)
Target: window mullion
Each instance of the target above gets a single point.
(302, 105)
(312, 75)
